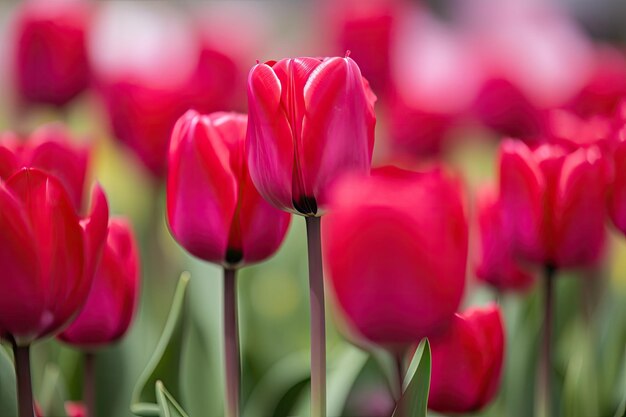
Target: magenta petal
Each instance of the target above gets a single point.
(269, 140)
(580, 205)
(617, 195)
(338, 127)
(201, 188)
(21, 298)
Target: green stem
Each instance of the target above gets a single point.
(546, 352)
(231, 343)
(24, 385)
(318, 321)
(89, 383)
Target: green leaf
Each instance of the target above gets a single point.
(414, 399)
(168, 407)
(53, 392)
(341, 378)
(8, 395)
(165, 363)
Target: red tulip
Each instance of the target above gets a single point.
(111, 304)
(395, 249)
(617, 190)
(50, 149)
(572, 131)
(311, 120)
(50, 64)
(76, 409)
(497, 264)
(213, 209)
(48, 254)
(467, 362)
(553, 202)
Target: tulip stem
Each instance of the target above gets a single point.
(24, 385)
(400, 370)
(546, 354)
(89, 383)
(318, 322)
(231, 344)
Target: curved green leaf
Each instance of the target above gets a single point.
(168, 407)
(414, 399)
(165, 363)
(8, 394)
(341, 378)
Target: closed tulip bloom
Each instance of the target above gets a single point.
(111, 304)
(467, 362)
(50, 149)
(553, 202)
(50, 64)
(395, 246)
(213, 209)
(310, 120)
(48, 254)
(497, 264)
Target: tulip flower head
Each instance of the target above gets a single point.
(497, 264)
(109, 309)
(48, 254)
(50, 149)
(310, 121)
(553, 202)
(214, 210)
(617, 190)
(50, 64)
(395, 246)
(467, 362)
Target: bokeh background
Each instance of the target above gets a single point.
(426, 62)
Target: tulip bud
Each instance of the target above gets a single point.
(467, 362)
(311, 120)
(48, 254)
(50, 64)
(395, 249)
(50, 149)
(213, 209)
(497, 265)
(111, 304)
(553, 202)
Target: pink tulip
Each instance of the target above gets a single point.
(50, 64)
(76, 409)
(311, 120)
(467, 362)
(497, 265)
(617, 189)
(213, 209)
(113, 298)
(48, 254)
(50, 149)
(553, 202)
(395, 246)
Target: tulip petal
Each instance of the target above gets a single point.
(579, 208)
(201, 188)
(617, 195)
(521, 193)
(269, 139)
(21, 298)
(338, 127)
(59, 240)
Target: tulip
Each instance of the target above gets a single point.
(497, 265)
(50, 149)
(215, 212)
(467, 362)
(50, 63)
(113, 298)
(396, 248)
(553, 202)
(49, 256)
(311, 120)
(76, 409)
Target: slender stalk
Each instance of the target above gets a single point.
(89, 383)
(231, 343)
(24, 385)
(318, 321)
(546, 352)
(400, 371)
